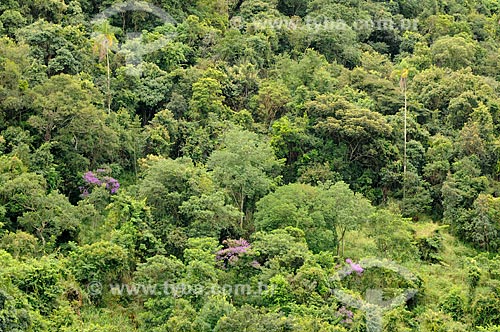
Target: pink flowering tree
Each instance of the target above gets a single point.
(233, 251)
(354, 267)
(98, 179)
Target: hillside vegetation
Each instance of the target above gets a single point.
(249, 165)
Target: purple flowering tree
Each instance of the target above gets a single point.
(98, 179)
(345, 314)
(233, 251)
(355, 267)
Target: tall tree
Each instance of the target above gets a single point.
(103, 43)
(246, 166)
(403, 85)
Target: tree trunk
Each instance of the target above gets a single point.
(108, 81)
(242, 203)
(404, 148)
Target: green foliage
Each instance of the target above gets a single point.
(485, 310)
(167, 183)
(453, 52)
(135, 235)
(437, 321)
(159, 269)
(20, 244)
(278, 293)
(52, 219)
(209, 214)
(252, 319)
(207, 97)
(284, 123)
(482, 228)
(429, 241)
(393, 236)
(281, 248)
(161, 133)
(297, 205)
(291, 141)
(60, 49)
(18, 194)
(244, 165)
(99, 262)
(454, 304)
(459, 192)
(316, 210)
(212, 311)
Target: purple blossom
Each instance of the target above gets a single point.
(91, 178)
(112, 184)
(346, 314)
(355, 267)
(235, 248)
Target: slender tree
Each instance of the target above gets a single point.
(403, 86)
(103, 43)
(244, 165)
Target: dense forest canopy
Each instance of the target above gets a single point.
(249, 165)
